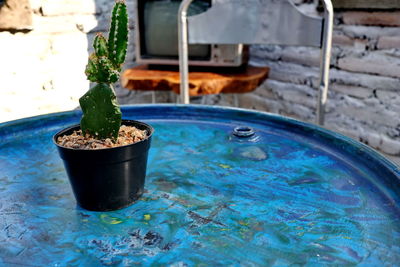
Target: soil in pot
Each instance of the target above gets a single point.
(127, 135)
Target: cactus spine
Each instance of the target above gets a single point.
(101, 113)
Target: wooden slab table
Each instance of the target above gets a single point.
(215, 81)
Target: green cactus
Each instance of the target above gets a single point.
(100, 45)
(116, 38)
(101, 70)
(101, 113)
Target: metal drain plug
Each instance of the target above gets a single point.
(243, 131)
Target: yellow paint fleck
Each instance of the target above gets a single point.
(85, 220)
(225, 229)
(225, 166)
(147, 217)
(243, 223)
(347, 237)
(110, 220)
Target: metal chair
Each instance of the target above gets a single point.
(256, 22)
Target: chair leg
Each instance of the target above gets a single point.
(204, 99)
(325, 62)
(236, 100)
(171, 97)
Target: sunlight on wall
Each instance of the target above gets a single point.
(43, 71)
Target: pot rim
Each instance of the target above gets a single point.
(149, 135)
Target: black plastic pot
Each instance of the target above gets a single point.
(107, 179)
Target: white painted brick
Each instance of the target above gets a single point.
(299, 94)
(389, 42)
(390, 146)
(289, 72)
(36, 5)
(374, 62)
(360, 44)
(372, 18)
(388, 96)
(67, 7)
(223, 100)
(54, 25)
(276, 86)
(15, 51)
(252, 101)
(277, 106)
(364, 80)
(71, 44)
(308, 56)
(265, 91)
(339, 39)
(376, 116)
(351, 102)
(86, 24)
(373, 102)
(355, 91)
(372, 139)
(372, 32)
(299, 112)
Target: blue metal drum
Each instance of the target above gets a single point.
(287, 194)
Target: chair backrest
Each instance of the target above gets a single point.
(256, 22)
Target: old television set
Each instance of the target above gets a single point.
(157, 37)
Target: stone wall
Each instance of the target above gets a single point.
(42, 71)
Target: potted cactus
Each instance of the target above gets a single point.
(105, 157)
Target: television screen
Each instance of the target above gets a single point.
(159, 28)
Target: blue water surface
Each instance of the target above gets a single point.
(292, 195)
